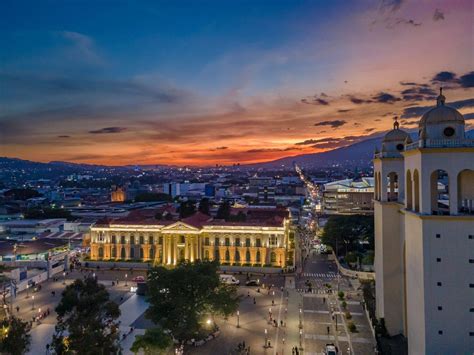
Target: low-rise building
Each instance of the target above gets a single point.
(349, 196)
(260, 239)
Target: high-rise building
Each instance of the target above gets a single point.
(424, 234)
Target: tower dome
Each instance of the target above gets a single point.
(394, 140)
(442, 122)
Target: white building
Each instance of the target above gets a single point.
(424, 248)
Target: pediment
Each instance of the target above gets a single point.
(180, 226)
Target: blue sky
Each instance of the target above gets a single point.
(167, 75)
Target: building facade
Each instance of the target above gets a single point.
(196, 237)
(424, 246)
(349, 196)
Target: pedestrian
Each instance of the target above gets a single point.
(17, 309)
(328, 329)
(248, 293)
(273, 302)
(281, 323)
(243, 344)
(324, 300)
(254, 302)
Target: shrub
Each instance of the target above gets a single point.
(348, 315)
(340, 294)
(344, 304)
(352, 327)
(351, 257)
(368, 259)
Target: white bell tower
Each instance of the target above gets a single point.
(389, 199)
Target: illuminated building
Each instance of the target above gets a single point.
(261, 240)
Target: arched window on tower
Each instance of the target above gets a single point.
(392, 188)
(439, 190)
(466, 192)
(409, 191)
(416, 190)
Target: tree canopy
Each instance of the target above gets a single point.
(87, 320)
(14, 336)
(224, 211)
(183, 298)
(186, 209)
(22, 194)
(344, 232)
(154, 341)
(204, 206)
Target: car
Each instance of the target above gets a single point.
(229, 279)
(252, 283)
(330, 349)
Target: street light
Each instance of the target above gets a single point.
(27, 290)
(64, 277)
(33, 302)
(266, 338)
(126, 280)
(301, 314)
(238, 319)
(301, 338)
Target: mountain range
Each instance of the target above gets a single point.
(358, 154)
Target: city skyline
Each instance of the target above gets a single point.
(204, 84)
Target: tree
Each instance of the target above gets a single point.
(154, 341)
(204, 206)
(181, 299)
(186, 209)
(22, 194)
(224, 211)
(344, 232)
(15, 336)
(87, 320)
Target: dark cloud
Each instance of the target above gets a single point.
(270, 150)
(313, 141)
(221, 148)
(377, 120)
(107, 130)
(333, 123)
(385, 98)
(410, 22)
(344, 110)
(390, 5)
(64, 136)
(418, 93)
(438, 15)
(444, 76)
(368, 130)
(411, 83)
(467, 80)
(359, 101)
(408, 123)
(469, 116)
(315, 101)
(327, 145)
(356, 124)
(416, 111)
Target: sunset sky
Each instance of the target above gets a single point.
(222, 82)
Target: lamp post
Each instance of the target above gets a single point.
(238, 319)
(301, 338)
(27, 290)
(64, 277)
(301, 315)
(32, 302)
(126, 284)
(266, 338)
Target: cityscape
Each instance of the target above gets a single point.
(236, 178)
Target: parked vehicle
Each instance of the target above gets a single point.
(229, 279)
(252, 283)
(330, 349)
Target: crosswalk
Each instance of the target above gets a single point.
(317, 291)
(329, 275)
